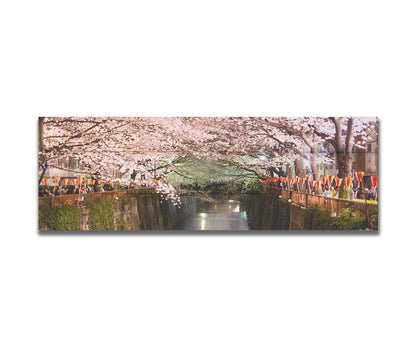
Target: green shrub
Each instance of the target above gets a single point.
(223, 188)
(372, 214)
(101, 215)
(66, 217)
(252, 187)
(318, 218)
(343, 194)
(348, 219)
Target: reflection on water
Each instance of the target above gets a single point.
(219, 215)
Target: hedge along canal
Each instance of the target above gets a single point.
(248, 212)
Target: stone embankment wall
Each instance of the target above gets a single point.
(122, 212)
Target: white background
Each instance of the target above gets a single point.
(218, 58)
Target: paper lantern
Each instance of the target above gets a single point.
(318, 183)
(87, 181)
(359, 175)
(330, 179)
(93, 182)
(297, 179)
(79, 179)
(57, 179)
(323, 180)
(312, 183)
(374, 181)
(46, 180)
(73, 181)
(308, 177)
(285, 179)
(348, 181)
(65, 181)
(338, 181)
(303, 180)
(99, 181)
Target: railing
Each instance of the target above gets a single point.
(80, 199)
(307, 200)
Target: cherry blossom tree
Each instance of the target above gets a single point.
(150, 145)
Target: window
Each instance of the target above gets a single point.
(369, 147)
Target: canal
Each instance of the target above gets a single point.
(251, 212)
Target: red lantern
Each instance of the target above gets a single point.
(308, 177)
(65, 181)
(359, 175)
(46, 180)
(338, 181)
(93, 182)
(73, 181)
(323, 180)
(303, 180)
(318, 183)
(374, 181)
(79, 179)
(348, 181)
(57, 179)
(312, 183)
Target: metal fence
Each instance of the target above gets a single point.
(82, 199)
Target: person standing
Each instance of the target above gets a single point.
(327, 193)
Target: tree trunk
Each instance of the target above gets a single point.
(314, 166)
(344, 153)
(299, 170)
(289, 171)
(41, 147)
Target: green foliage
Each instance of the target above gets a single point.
(66, 217)
(318, 218)
(372, 213)
(223, 188)
(343, 194)
(101, 215)
(349, 219)
(252, 186)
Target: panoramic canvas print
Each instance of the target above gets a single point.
(204, 174)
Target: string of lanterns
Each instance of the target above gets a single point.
(323, 180)
(89, 181)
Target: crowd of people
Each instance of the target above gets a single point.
(359, 192)
(368, 193)
(77, 189)
(85, 189)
